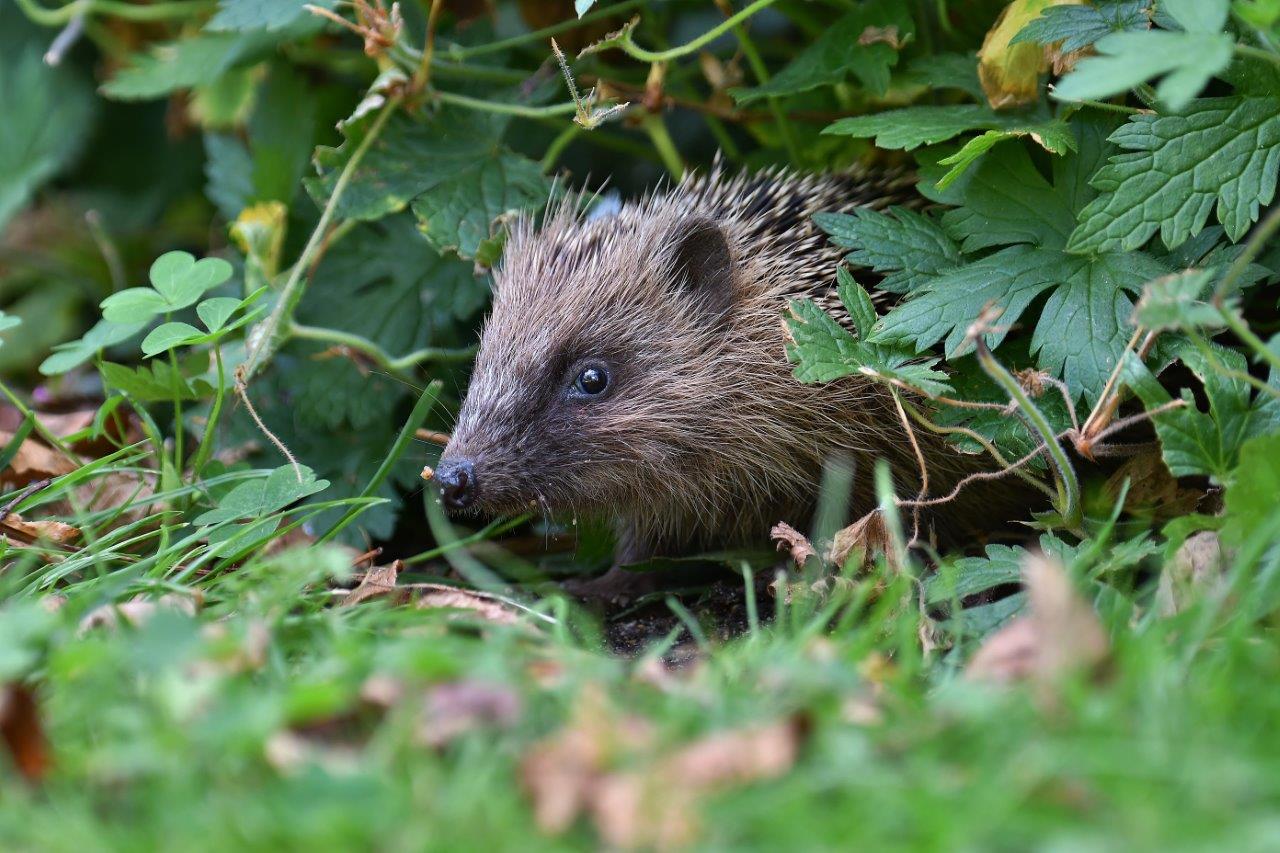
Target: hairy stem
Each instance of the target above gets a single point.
(627, 45)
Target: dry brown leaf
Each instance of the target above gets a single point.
(868, 536)
(433, 596)
(377, 582)
(1153, 491)
(451, 710)
(1059, 635)
(885, 35)
(138, 610)
(15, 527)
(23, 732)
(1010, 74)
(33, 462)
(792, 541)
(1197, 566)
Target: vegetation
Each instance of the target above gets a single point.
(244, 248)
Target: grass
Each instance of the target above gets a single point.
(271, 717)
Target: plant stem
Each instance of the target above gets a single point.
(546, 32)
(1252, 249)
(625, 43)
(1257, 53)
(397, 365)
(422, 77)
(416, 417)
(1068, 486)
(503, 107)
(115, 8)
(761, 73)
(40, 429)
(557, 147)
(663, 144)
(267, 337)
(205, 449)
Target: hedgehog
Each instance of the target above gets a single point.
(633, 368)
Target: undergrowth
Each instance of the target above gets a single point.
(244, 257)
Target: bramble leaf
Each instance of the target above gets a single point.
(909, 246)
(912, 127)
(839, 52)
(1166, 181)
(1185, 60)
(1078, 26)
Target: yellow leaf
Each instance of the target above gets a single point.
(1009, 74)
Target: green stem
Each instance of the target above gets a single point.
(503, 107)
(493, 528)
(416, 417)
(663, 144)
(1068, 486)
(178, 432)
(1103, 105)
(115, 8)
(1244, 333)
(268, 336)
(625, 43)
(41, 430)
(205, 450)
(557, 147)
(1252, 249)
(1257, 53)
(397, 365)
(775, 105)
(544, 33)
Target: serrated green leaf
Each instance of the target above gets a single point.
(856, 301)
(910, 247)
(450, 166)
(166, 336)
(1252, 489)
(185, 63)
(1056, 137)
(37, 141)
(945, 71)
(1186, 61)
(1197, 442)
(271, 494)
(838, 53)
(1078, 26)
(1173, 302)
(214, 312)
(1163, 182)
(911, 127)
(261, 14)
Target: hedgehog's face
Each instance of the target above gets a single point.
(595, 369)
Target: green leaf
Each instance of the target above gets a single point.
(155, 383)
(181, 279)
(281, 133)
(38, 141)
(1078, 26)
(450, 166)
(912, 127)
(1164, 182)
(1056, 138)
(214, 312)
(185, 63)
(1186, 61)
(1197, 442)
(945, 71)
(1251, 492)
(1198, 16)
(261, 14)
(857, 302)
(74, 353)
(910, 247)
(134, 305)
(228, 173)
(1173, 302)
(8, 321)
(257, 498)
(838, 53)
(166, 336)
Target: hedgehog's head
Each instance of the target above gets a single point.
(601, 364)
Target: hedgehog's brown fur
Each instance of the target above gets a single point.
(706, 439)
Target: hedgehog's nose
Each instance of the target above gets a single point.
(457, 478)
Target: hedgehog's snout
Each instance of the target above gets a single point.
(457, 478)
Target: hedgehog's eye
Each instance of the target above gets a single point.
(592, 381)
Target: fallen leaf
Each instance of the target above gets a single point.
(884, 35)
(867, 537)
(1010, 74)
(377, 582)
(25, 532)
(1154, 492)
(433, 596)
(454, 709)
(23, 732)
(1196, 567)
(138, 610)
(1060, 634)
(792, 541)
(33, 462)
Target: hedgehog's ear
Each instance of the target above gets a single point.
(702, 265)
